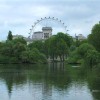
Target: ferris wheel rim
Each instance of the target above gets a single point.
(45, 18)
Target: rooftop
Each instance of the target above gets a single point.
(46, 28)
(38, 32)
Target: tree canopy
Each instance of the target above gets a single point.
(9, 37)
(94, 37)
(58, 46)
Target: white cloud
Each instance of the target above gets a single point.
(19, 15)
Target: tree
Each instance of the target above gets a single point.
(18, 48)
(46, 48)
(33, 56)
(68, 39)
(62, 49)
(21, 40)
(93, 57)
(37, 44)
(94, 37)
(58, 46)
(10, 37)
(7, 49)
(84, 48)
(50, 45)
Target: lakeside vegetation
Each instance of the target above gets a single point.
(60, 46)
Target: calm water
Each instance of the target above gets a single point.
(49, 82)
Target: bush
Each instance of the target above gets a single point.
(84, 48)
(73, 57)
(92, 57)
(33, 56)
(4, 59)
(42, 58)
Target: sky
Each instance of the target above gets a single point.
(19, 15)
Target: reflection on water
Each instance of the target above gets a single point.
(55, 81)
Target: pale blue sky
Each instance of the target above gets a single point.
(19, 15)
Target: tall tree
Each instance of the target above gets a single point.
(58, 45)
(10, 37)
(94, 37)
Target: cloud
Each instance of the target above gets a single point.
(19, 15)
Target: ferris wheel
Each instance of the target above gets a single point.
(48, 22)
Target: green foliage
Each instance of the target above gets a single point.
(37, 44)
(16, 51)
(52, 47)
(58, 46)
(94, 37)
(68, 39)
(83, 41)
(7, 49)
(74, 57)
(42, 58)
(92, 57)
(33, 56)
(10, 37)
(13, 60)
(72, 48)
(62, 48)
(4, 59)
(46, 47)
(21, 40)
(87, 53)
(84, 48)
(77, 43)
(18, 48)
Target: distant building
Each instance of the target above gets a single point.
(47, 32)
(37, 35)
(42, 35)
(81, 37)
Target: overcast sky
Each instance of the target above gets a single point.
(19, 15)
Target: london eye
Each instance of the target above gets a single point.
(56, 24)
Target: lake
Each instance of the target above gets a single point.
(53, 81)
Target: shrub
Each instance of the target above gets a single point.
(93, 57)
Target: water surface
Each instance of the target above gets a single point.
(56, 81)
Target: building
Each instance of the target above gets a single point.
(42, 35)
(47, 32)
(80, 37)
(37, 35)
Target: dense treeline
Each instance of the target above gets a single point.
(56, 47)
(88, 50)
(17, 51)
(59, 47)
